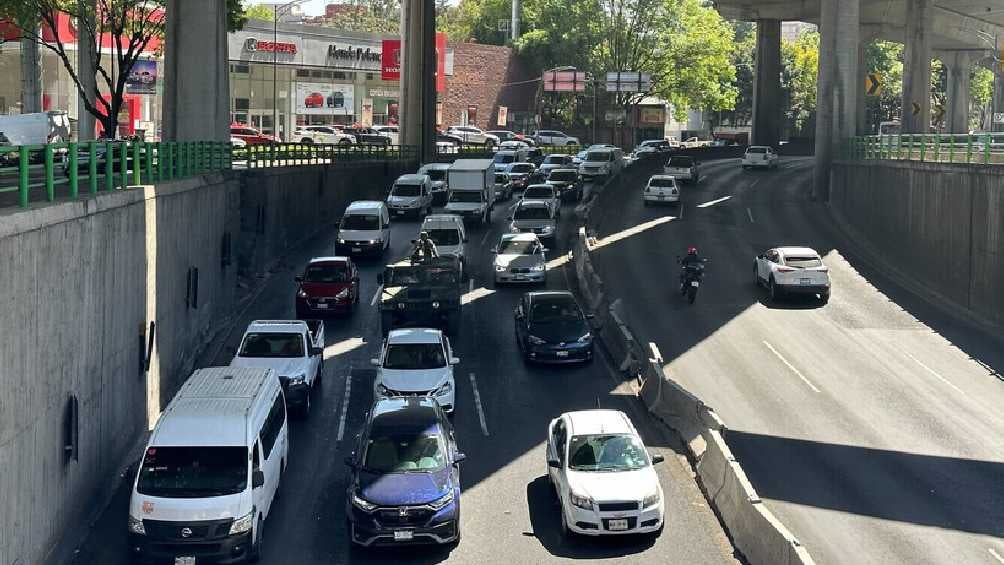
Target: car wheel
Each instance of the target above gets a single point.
(566, 532)
(824, 297)
(774, 292)
(756, 275)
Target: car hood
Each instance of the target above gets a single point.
(560, 332)
(401, 200)
(147, 507)
(529, 224)
(402, 489)
(358, 235)
(612, 487)
(519, 261)
(324, 290)
(283, 366)
(413, 381)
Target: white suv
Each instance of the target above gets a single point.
(603, 475)
(661, 189)
(553, 137)
(760, 156)
(794, 270)
(416, 362)
(322, 134)
(471, 134)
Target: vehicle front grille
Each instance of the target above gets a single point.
(618, 506)
(412, 516)
(157, 530)
(519, 270)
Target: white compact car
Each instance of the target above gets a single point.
(416, 362)
(519, 258)
(760, 156)
(792, 270)
(603, 475)
(661, 189)
(322, 134)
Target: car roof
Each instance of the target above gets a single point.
(795, 250)
(551, 296)
(278, 326)
(506, 151)
(519, 237)
(565, 169)
(365, 206)
(662, 177)
(412, 178)
(600, 421)
(329, 259)
(758, 147)
(533, 203)
(414, 335)
(443, 218)
(547, 186)
(405, 412)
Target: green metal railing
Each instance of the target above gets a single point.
(977, 149)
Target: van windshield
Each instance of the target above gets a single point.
(563, 176)
(599, 156)
(360, 222)
(445, 236)
(434, 174)
(272, 345)
(407, 190)
(504, 157)
(680, 162)
(193, 472)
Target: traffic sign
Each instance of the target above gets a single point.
(999, 118)
(628, 81)
(916, 108)
(873, 84)
(564, 81)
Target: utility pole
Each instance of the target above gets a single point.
(515, 20)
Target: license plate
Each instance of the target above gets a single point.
(519, 278)
(617, 525)
(661, 196)
(405, 535)
(695, 283)
(357, 249)
(188, 560)
(322, 306)
(561, 354)
(805, 281)
(400, 212)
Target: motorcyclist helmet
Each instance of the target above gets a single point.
(423, 235)
(692, 250)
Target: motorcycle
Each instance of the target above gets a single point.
(691, 279)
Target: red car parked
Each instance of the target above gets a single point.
(327, 285)
(249, 134)
(313, 100)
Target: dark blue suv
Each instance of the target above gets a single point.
(405, 482)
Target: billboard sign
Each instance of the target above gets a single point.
(324, 99)
(628, 81)
(564, 81)
(142, 77)
(390, 59)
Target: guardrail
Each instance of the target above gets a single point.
(977, 149)
(487, 152)
(293, 154)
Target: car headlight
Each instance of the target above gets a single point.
(342, 295)
(136, 526)
(297, 380)
(374, 241)
(442, 501)
(301, 293)
(382, 390)
(580, 501)
(650, 500)
(535, 340)
(445, 388)
(537, 268)
(341, 241)
(547, 229)
(362, 503)
(500, 268)
(513, 228)
(242, 524)
(585, 338)
(435, 304)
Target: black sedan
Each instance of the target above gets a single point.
(551, 328)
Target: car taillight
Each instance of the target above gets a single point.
(785, 269)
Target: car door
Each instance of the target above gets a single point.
(557, 446)
(764, 263)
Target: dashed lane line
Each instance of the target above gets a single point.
(750, 214)
(376, 295)
(477, 405)
(345, 405)
(790, 366)
(936, 375)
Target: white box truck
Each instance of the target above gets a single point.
(472, 189)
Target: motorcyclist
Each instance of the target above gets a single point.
(690, 259)
(425, 248)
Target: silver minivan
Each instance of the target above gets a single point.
(364, 228)
(534, 216)
(411, 195)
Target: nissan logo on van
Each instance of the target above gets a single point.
(186, 532)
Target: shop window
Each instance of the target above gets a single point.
(303, 73)
(338, 75)
(242, 69)
(369, 76)
(242, 103)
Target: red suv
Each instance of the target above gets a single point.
(249, 134)
(327, 285)
(313, 100)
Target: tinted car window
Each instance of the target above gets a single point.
(272, 345)
(555, 311)
(332, 273)
(803, 262)
(538, 192)
(563, 176)
(414, 356)
(392, 449)
(360, 222)
(532, 213)
(445, 236)
(662, 182)
(193, 472)
(618, 452)
(681, 162)
(757, 150)
(407, 190)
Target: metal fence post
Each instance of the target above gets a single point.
(137, 178)
(22, 176)
(109, 166)
(72, 171)
(50, 187)
(92, 167)
(986, 150)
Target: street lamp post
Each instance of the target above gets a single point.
(275, 63)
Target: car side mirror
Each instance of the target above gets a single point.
(459, 457)
(257, 479)
(316, 351)
(298, 278)
(554, 463)
(379, 278)
(454, 360)
(657, 459)
(375, 362)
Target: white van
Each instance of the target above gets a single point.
(601, 162)
(365, 228)
(211, 469)
(448, 233)
(36, 129)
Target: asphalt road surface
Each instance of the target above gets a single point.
(872, 426)
(508, 516)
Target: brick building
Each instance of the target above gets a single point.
(486, 77)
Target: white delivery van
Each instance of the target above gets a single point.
(36, 129)
(472, 189)
(211, 469)
(365, 228)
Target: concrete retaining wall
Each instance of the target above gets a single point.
(939, 225)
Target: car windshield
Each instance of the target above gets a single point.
(445, 236)
(551, 311)
(360, 222)
(538, 192)
(405, 276)
(520, 168)
(602, 156)
(414, 356)
(465, 196)
(406, 190)
(606, 452)
(391, 449)
(504, 158)
(434, 174)
(517, 247)
(501, 179)
(803, 262)
(555, 160)
(331, 273)
(681, 162)
(272, 345)
(563, 176)
(193, 472)
(532, 213)
(757, 150)
(661, 182)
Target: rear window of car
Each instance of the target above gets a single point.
(803, 262)
(661, 182)
(681, 162)
(757, 150)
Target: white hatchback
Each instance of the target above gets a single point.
(661, 189)
(760, 156)
(603, 475)
(416, 362)
(792, 270)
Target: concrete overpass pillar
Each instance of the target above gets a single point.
(31, 77)
(959, 64)
(836, 96)
(917, 68)
(85, 72)
(998, 98)
(196, 72)
(767, 84)
(418, 77)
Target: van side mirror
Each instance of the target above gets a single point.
(298, 278)
(257, 479)
(316, 351)
(554, 463)
(454, 360)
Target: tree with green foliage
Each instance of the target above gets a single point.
(744, 60)
(800, 59)
(259, 12)
(981, 93)
(369, 16)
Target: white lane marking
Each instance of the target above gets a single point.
(713, 202)
(484, 238)
(790, 366)
(756, 182)
(936, 375)
(995, 555)
(376, 295)
(750, 214)
(656, 354)
(681, 210)
(470, 285)
(477, 404)
(345, 405)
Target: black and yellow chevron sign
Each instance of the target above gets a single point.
(873, 84)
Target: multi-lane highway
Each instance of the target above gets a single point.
(503, 406)
(872, 426)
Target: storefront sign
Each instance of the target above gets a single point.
(383, 92)
(254, 45)
(324, 99)
(390, 59)
(503, 116)
(652, 115)
(142, 78)
(350, 56)
(367, 113)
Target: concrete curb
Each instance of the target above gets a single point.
(754, 530)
